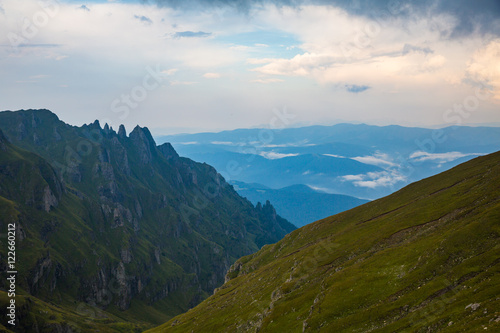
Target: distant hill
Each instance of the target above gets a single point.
(299, 204)
(114, 227)
(283, 172)
(393, 137)
(424, 259)
(363, 161)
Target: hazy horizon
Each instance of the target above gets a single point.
(208, 66)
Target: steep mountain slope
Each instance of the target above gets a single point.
(299, 204)
(115, 222)
(424, 259)
(34, 190)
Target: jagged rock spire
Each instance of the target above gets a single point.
(144, 143)
(122, 133)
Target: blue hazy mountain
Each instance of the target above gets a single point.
(281, 172)
(361, 160)
(469, 139)
(299, 204)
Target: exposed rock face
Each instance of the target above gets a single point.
(135, 220)
(122, 133)
(21, 131)
(40, 272)
(3, 140)
(126, 255)
(168, 151)
(49, 199)
(57, 136)
(143, 143)
(120, 154)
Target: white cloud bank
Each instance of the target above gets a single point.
(378, 159)
(375, 179)
(408, 71)
(422, 156)
(271, 155)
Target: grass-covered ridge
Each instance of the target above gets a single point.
(424, 259)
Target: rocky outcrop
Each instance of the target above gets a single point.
(49, 200)
(168, 151)
(126, 255)
(3, 141)
(120, 154)
(122, 133)
(143, 143)
(40, 273)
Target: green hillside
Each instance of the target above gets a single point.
(424, 259)
(115, 225)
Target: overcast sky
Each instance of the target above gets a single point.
(189, 66)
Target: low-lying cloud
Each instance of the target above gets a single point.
(378, 159)
(375, 179)
(422, 156)
(271, 155)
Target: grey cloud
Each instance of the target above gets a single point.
(354, 88)
(481, 16)
(2, 10)
(191, 34)
(83, 7)
(143, 19)
(408, 48)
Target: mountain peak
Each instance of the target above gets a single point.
(143, 133)
(168, 151)
(122, 133)
(95, 124)
(144, 143)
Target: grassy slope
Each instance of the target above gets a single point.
(412, 261)
(49, 317)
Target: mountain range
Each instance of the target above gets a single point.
(423, 259)
(113, 228)
(363, 161)
(115, 233)
(355, 162)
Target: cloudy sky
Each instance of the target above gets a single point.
(188, 66)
